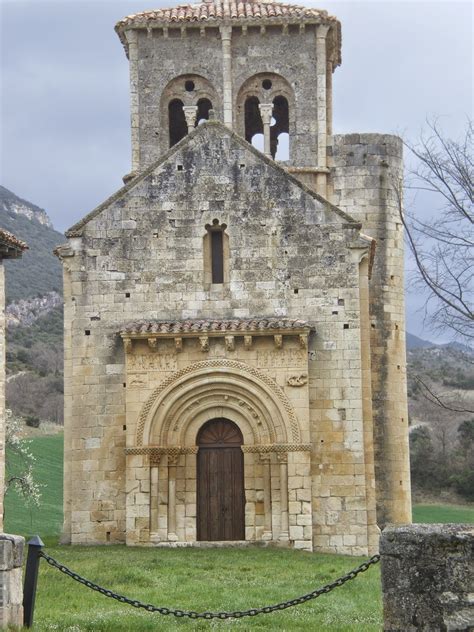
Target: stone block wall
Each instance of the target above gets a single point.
(428, 578)
(11, 573)
(366, 171)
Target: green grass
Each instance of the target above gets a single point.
(204, 579)
(198, 579)
(45, 520)
(443, 513)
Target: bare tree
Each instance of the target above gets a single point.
(443, 245)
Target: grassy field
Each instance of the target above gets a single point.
(210, 579)
(47, 519)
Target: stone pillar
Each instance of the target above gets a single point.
(284, 531)
(321, 79)
(226, 37)
(132, 40)
(172, 463)
(11, 590)
(154, 492)
(267, 497)
(428, 577)
(190, 113)
(266, 111)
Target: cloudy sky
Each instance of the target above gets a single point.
(65, 142)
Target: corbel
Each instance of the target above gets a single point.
(153, 343)
(165, 32)
(278, 340)
(204, 342)
(302, 28)
(183, 32)
(263, 29)
(244, 30)
(303, 340)
(178, 344)
(127, 345)
(202, 31)
(230, 343)
(248, 342)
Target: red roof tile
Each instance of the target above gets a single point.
(210, 10)
(10, 241)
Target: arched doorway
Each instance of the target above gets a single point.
(220, 482)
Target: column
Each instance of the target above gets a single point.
(132, 40)
(321, 78)
(266, 111)
(283, 460)
(226, 37)
(155, 462)
(190, 113)
(265, 458)
(172, 463)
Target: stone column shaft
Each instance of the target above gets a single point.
(154, 478)
(226, 37)
(267, 497)
(172, 462)
(284, 529)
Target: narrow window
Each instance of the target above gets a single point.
(177, 122)
(217, 256)
(253, 120)
(279, 131)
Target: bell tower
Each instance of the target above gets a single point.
(262, 68)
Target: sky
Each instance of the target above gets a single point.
(65, 130)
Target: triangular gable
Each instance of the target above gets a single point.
(344, 218)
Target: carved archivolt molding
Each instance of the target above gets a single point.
(278, 448)
(233, 368)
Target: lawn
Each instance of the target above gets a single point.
(197, 579)
(204, 579)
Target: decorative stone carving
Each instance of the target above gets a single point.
(204, 343)
(230, 343)
(127, 345)
(247, 342)
(297, 380)
(153, 343)
(178, 344)
(278, 338)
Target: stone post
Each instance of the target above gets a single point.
(428, 577)
(11, 596)
(266, 111)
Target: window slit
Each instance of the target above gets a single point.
(217, 257)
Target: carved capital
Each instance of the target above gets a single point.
(190, 113)
(266, 111)
(282, 457)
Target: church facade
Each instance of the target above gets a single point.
(234, 315)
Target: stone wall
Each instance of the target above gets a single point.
(11, 590)
(366, 169)
(140, 256)
(428, 578)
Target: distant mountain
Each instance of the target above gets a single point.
(38, 272)
(413, 342)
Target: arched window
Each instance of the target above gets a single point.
(216, 253)
(176, 121)
(279, 130)
(203, 108)
(253, 122)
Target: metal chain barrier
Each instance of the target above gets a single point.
(191, 614)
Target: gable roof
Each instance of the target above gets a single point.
(220, 128)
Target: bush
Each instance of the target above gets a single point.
(32, 421)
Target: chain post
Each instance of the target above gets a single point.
(31, 579)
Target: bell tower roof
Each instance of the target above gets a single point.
(231, 12)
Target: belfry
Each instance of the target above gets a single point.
(234, 315)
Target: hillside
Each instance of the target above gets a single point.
(38, 271)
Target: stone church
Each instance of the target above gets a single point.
(234, 315)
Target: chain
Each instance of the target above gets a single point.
(191, 614)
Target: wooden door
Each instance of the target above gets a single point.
(220, 482)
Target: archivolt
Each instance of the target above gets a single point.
(187, 392)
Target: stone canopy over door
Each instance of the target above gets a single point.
(220, 482)
(218, 432)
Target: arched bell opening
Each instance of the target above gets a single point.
(279, 130)
(220, 482)
(176, 121)
(204, 106)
